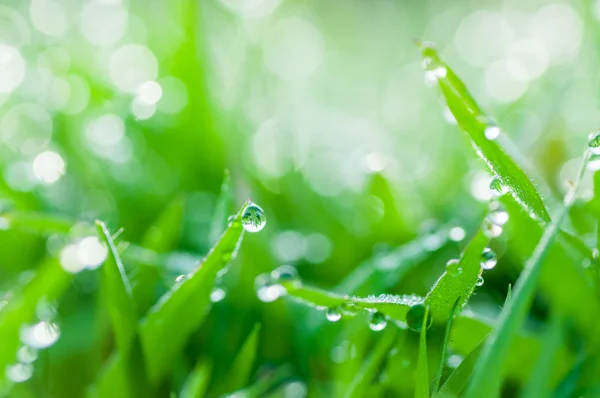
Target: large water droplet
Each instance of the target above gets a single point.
(414, 317)
(333, 314)
(40, 335)
(498, 214)
(27, 354)
(594, 142)
(253, 218)
(491, 230)
(479, 281)
(19, 373)
(453, 267)
(497, 188)
(378, 321)
(488, 259)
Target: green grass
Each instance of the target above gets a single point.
(342, 293)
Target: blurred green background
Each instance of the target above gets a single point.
(129, 111)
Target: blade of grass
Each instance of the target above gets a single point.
(487, 375)
(450, 288)
(222, 209)
(438, 377)
(196, 384)
(539, 382)
(422, 372)
(369, 367)
(185, 305)
(470, 119)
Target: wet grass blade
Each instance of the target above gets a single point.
(118, 295)
(222, 209)
(49, 283)
(487, 376)
(196, 383)
(473, 121)
(371, 365)
(180, 311)
(241, 369)
(450, 288)
(438, 377)
(539, 382)
(422, 372)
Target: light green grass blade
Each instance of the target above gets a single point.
(49, 283)
(471, 119)
(448, 289)
(438, 377)
(539, 382)
(39, 222)
(222, 209)
(180, 311)
(196, 383)
(118, 295)
(488, 373)
(369, 367)
(422, 373)
(241, 369)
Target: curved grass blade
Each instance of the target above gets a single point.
(448, 289)
(487, 375)
(369, 368)
(185, 305)
(222, 209)
(438, 377)
(473, 121)
(539, 382)
(119, 298)
(49, 283)
(196, 383)
(422, 372)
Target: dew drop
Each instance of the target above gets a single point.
(217, 295)
(349, 309)
(27, 354)
(432, 75)
(457, 234)
(180, 278)
(498, 214)
(491, 230)
(453, 267)
(497, 188)
(266, 290)
(333, 314)
(378, 321)
(479, 281)
(488, 259)
(491, 132)
(594, 142)
(19, 373)
(253, 218)
(41, 335)
(414, 317)
(285, 273)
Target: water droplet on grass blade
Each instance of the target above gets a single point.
(41, 335)
(498, 214)
(378, 321)
(491, 132)
(19, 373)
(333, 314)
(453, 267)
(27, 354)
(479, 281)
(497, 188)
(457, 234)
(594, 142)
(217, 295)
(491, 230)
(253, 218)
(349, 309)
(266, 290)
(414, 317)
(488, 259)
(285, 273)
(180, 278)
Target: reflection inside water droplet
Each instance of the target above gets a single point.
(253, 218)
(488, 259)
(414, 317)
(378, 321)
(333, 314)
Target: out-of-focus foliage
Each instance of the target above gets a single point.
(160, 118)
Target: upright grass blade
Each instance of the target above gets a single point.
(422, 372)
(119, 298)
(539, 382)
(487, 376)
(222, 209)
(185, 305)
(438, 377)
(474, 122)
(449, 288)
(49, 283)
(196, 384)
(369, 367)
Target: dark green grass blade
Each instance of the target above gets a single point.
(118, 295)
(180, 311)
(488, 373)
(372, 363)
(49, 283)
(539, 382)
(222, 209)
(422, 373)
(438, 377)
(448, 289)
(196, 383)
(468, 116)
